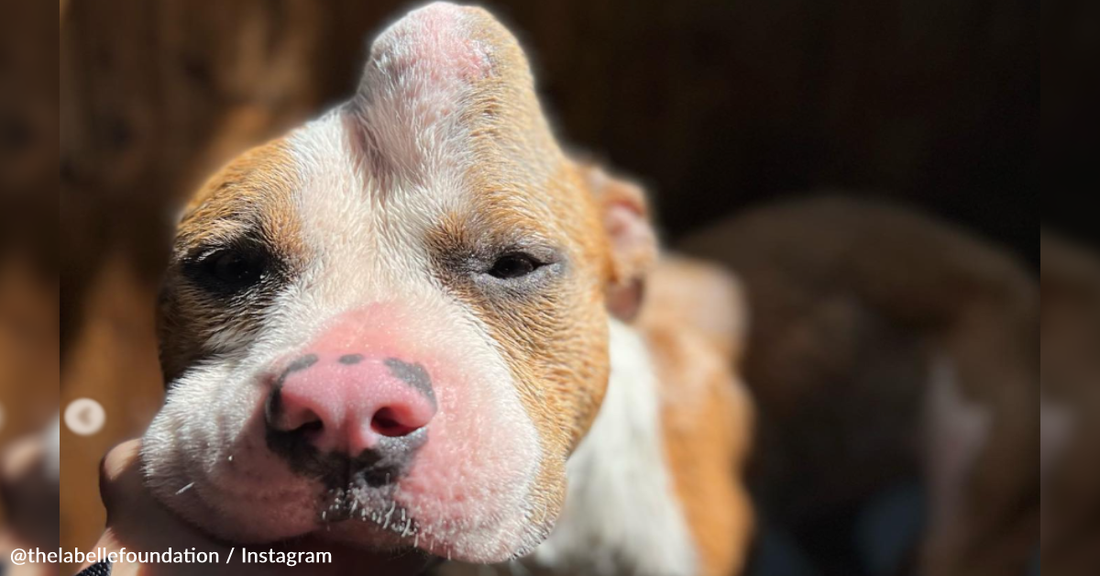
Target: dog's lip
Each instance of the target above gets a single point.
(403, 534)
(385, 514)
(398, 538)
(200, 488)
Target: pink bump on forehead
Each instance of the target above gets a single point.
(428, 55)
(421, 73)
(440, 41)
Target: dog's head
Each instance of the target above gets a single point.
(391, 326)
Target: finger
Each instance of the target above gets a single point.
(134, 520)
(134, 516)
(120, 485)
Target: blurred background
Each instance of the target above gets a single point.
(29, 314)
(717, 106)
(1070, 278)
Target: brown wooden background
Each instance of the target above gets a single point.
(715, 104)
(28, 220)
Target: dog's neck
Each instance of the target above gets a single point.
(621, 514)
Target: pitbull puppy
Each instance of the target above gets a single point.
(393, 327)
(886, 345)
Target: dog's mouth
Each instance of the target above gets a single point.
(359, 489)
(366, 503)
(373, 506)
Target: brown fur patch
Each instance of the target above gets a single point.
(554, 339)
(255, 194)
(706, 413)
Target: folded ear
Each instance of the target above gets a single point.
(632, 241)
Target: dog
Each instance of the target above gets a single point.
(417, 323)
(1070, 317)
(885, 345)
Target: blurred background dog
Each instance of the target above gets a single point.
(1070, 405)
(887, 347)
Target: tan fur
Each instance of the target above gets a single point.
(258, 187)
(556, 346)
(706, 414)
(625, 213)
(701, 296)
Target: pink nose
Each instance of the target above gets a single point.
(349, 403)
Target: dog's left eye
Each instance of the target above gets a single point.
(514, 265)
(229, 271)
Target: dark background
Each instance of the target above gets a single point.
(715, 105)
(1070, 126)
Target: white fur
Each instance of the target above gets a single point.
(957, 430)
(415, 82)
(621, 515)
(621, 504)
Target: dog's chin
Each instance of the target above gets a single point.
(236, 518)
(373, 538)
(364, 519)
(388, 520)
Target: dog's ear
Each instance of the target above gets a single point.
(632, 241)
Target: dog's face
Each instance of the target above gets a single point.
(390, 326)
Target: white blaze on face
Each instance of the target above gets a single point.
(372, 247)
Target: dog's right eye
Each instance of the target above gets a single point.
(228, 271)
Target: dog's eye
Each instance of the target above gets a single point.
(229, 270)
(514, 265)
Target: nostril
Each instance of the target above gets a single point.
(388, 422)
(314, 426)
(290, 417)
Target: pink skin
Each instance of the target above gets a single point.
(356, 400)
(435, 39)
(474, 468)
